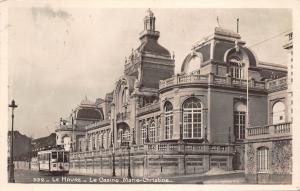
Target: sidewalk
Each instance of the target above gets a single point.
(211, 177)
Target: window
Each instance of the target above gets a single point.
(66, 157)
(109, 139)
(93, 142)
(80, 149)
(192, 118)
(278, 113)
(239, 120)
(144, 132)
(158, 129)
(105, 140)
(152, 132)
(236, 67)
(54, 156)
(126, 136)
(262, 159)
(60, 157)
(101, 141)
(168, 120)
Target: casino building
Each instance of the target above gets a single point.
(224, 110)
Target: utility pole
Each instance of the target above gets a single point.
(11, 162)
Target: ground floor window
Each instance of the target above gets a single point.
(169, 126)
(262, 159)
(152, 132)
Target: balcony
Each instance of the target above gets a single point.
(162, 148)
(269, 131)
(149, 108)
(183, 79)
(277, 84)
(211, 79)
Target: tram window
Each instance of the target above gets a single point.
(54, 155)
(60, 157)
(66, 157)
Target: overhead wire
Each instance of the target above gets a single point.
(270, 38)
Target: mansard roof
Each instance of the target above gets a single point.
(153, 47)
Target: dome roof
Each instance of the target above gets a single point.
(89, 113)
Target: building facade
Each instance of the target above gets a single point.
(210, 115)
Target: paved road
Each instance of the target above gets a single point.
(28, 176)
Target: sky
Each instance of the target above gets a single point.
(59, 55)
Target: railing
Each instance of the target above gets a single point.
(183, 79)
(269, 130)
(148, 108)
(277, 84)
(102, 123)
(211, 79)
(159, 148)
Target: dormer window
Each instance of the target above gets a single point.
(236, 68)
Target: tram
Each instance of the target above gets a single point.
(54, 161)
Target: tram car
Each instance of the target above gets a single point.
(53, 161)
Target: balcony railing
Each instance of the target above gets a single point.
(212, 80)
(277, 84)
(160, 148)
(275, 130)
(183, 79)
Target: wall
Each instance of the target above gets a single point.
(221, 112)
(150, 164)
(280, 162)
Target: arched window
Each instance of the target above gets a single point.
(168, 120)
(278, 112)
(144, 132)
(262, 159)
(192, 118)
(152, 132)
(239, 120)
(236, 67)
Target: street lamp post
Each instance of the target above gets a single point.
(113, 140)
(11, 162)
(129, 170)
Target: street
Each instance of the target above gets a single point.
(29, 176)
